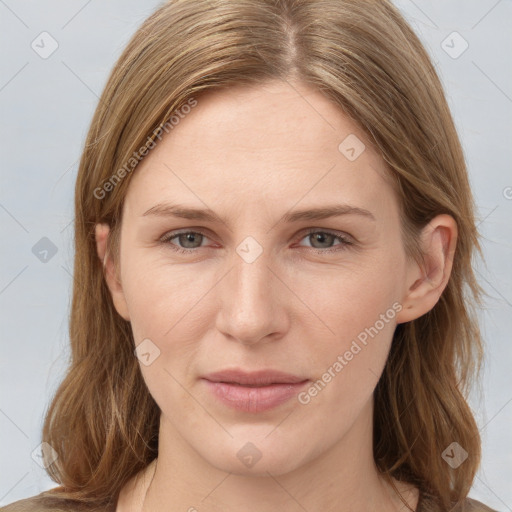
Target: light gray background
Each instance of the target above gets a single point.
(46, 106)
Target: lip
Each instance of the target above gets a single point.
(253, 391)
(257, 378)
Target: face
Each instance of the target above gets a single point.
(257, 286)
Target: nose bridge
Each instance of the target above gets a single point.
(251, 279)
(249, 306)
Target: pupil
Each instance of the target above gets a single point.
(189, 238)
(321, 237)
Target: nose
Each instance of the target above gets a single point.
(252, 303)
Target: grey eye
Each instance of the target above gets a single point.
(325, 240)
(190, 240)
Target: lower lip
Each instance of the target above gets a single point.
(254, 399)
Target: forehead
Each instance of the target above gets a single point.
(276, 117)
(277, 142)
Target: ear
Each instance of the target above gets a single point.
(424, 285)
(110, 271)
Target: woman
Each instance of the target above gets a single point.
(274, 230)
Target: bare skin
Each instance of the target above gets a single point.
(252, 155)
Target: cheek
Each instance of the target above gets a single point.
(162, 297)
(349, 363)
(357, 310)
(348, 299)
(166, 308)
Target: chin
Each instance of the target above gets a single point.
(253, 451)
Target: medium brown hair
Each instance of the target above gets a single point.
(362, 55)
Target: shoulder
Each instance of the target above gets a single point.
(467, 505)
(33, 504)
(47, 503)
(470, 505)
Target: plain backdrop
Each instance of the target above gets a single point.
(46, 105)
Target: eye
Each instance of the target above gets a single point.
(322, 241)
(191, 240)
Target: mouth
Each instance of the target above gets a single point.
(253, 392)
(253, 379)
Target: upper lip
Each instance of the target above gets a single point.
(256, 378)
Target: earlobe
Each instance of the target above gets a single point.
(112, 279)
(425, 283)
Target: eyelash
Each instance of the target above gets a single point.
(166, 239)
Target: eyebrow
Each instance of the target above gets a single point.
(207, 215)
